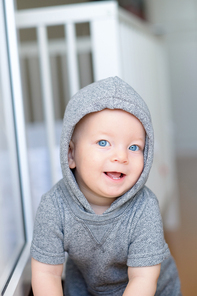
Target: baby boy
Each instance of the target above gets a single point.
(101, 213)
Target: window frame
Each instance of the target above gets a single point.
(12, 87)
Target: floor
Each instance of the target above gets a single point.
(183, 241)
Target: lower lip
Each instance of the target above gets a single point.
(119, 180)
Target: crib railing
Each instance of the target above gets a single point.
(119, 44)
(68, 16)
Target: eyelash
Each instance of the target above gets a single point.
(135, 146)
(105, 143)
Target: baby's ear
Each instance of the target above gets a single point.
(71, 161)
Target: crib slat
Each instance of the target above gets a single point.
(105, 48)
(45, 73)
(72, 58)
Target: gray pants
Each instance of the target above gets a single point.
(168, 283)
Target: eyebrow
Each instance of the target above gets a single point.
(141, 139)
(103, 134)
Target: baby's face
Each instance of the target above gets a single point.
(107, 153)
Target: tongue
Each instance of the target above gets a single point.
(114, 175)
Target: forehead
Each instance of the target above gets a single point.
(107, 119)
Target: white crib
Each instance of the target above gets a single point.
(119, 44)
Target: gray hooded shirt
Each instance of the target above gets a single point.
(128, 233)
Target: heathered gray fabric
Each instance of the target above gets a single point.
(129, 233)
(168, 283)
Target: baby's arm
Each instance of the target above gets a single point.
(142, 281)
(46, 279)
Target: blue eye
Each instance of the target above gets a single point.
(134, 148)
(103, 143)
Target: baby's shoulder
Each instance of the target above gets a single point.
(53, 199)
(145, 202)
(146, 196)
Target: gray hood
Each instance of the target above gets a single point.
(111, 93)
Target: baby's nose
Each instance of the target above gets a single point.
(120, 155)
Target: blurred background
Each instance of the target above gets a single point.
(150, 44)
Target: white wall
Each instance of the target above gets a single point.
(178, 20)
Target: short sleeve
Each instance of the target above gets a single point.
(148, 246)
(47, 244)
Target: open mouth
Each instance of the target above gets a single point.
(115, 175)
